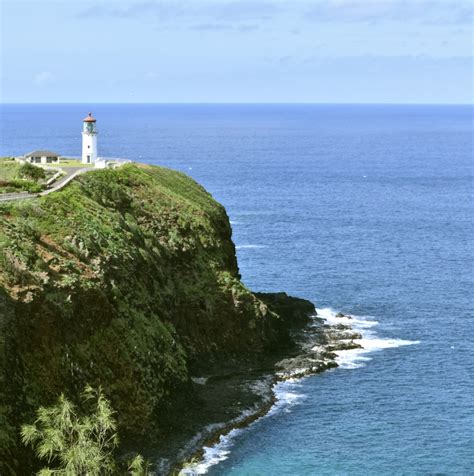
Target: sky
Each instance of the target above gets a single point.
(237, 51)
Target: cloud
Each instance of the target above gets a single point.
(223, 27)
(428, 11)
(44, 77)
(244, 10)
(211, 27)
(423, 11)
(152, 75)
(247, 28)
(163, 10)
(167, 10)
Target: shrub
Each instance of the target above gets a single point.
(26, 185)
(30, 171)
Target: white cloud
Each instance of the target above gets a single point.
(170, 10)
(424, 11)
(210, 11)
(44, 77)
(152, 75)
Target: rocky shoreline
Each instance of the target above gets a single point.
(238, 392)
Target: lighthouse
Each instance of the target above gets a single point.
(89, 140)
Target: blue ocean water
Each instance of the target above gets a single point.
(362, 209)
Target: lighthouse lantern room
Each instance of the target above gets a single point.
(89, 140)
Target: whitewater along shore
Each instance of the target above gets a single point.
(235, 393)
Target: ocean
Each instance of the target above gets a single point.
(364, 209)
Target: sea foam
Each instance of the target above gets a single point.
(212, 455)
(370, 342)
(287, 396)
(244, 247)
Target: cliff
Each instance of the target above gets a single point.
(128, 279)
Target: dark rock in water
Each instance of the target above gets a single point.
(304, 366)
(343, 345)
(340, 315)
(294, 311)
(337, 334)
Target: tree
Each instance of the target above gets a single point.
(31, 172)
(138, 466)
(78, 445)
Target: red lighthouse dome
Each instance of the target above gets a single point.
(89, 118)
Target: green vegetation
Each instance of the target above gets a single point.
(74, 444)
(16, 177)
(31, 172)
(123, 279)
(8, 169)
(12, 186)
(73, 163)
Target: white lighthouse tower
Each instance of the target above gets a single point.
(89, 140)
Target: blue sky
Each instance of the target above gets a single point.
(326, 51)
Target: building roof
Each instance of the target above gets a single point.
(42, 153)
(89, 118)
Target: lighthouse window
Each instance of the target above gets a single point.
(88, 146)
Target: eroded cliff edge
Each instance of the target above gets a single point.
(127, 279)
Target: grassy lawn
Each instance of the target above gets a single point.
(73, 163)
(8, 169)
(12, 179)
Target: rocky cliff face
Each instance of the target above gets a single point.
(125, 279)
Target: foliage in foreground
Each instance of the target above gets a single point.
(31, 172)
(78, 444)
(21, 178)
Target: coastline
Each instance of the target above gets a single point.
(329, 340)
(246, 393)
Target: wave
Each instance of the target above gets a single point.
(355, 358)
(357, 322)
(370, 342)
(287, 396)
(244, 247)
(212, 454)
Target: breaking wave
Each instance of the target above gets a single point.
(370, 342)
(287, 396)
(244, 247)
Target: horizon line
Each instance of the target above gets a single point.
(235, 103)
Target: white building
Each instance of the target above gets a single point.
(41, 157)
(89, 140)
